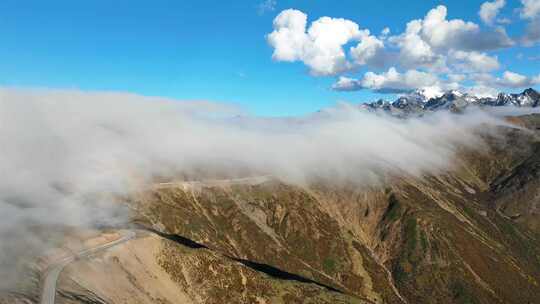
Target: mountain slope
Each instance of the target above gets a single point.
(447, 238)
(469, 234)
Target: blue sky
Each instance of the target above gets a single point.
(218, 50)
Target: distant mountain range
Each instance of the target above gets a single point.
(418, 102)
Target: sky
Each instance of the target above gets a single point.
(271, 57)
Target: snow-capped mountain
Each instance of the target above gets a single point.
(419, 102)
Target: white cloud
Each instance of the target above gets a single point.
(531, 9)
(433, 51)
(531, 12)
(442, 33)
(427, 42)
(347, 84)
(515, 80)
(370, 50)
(389, 82)
(320, 46)
(489, 10)
(532, 32)
(327, 36)
(474, 61)
(457, 34)
(289, 35)
(508, 80)
(413, 50)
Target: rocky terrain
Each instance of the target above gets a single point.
(470, 234)
(419, 102)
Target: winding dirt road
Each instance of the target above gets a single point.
(255, 180)
(53, 271)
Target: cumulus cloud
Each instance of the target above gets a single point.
(460, 35)
(530, 11)
(508, 80)
(320, 46)
(389, 82)
(489, 11)
(432, 50)
(370, 50)
(347, 84)
(414, 50)
(427, 43)
(442, 33)
(426, 40)
(289, 36)
(474, 61)
(515, 80)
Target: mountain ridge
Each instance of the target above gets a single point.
(418, 102)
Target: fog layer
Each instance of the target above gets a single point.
(62, 149)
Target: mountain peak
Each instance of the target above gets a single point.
(426, 93)
(531, 92)
(433, 99)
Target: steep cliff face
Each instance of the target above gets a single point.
(466, 235)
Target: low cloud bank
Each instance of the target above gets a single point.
(62, 150)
